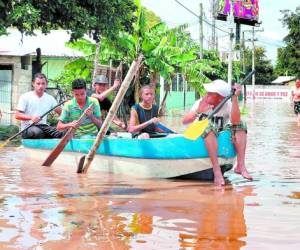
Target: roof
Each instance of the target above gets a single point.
(283, 79)
(52, 44)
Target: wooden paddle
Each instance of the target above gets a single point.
(63, 142)
(165, 128)
(30, 125)
(84, 164)
(196, 129)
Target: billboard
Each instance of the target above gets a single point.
(245, 11)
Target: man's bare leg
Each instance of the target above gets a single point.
(240, 143)
(212, 148)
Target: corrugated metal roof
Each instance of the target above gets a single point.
(283, 79)
(52, 44)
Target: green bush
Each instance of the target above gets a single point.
(8, 131)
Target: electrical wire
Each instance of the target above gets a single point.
(205, 20)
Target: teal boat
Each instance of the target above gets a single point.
(165, 157)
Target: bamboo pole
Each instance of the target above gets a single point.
(116, 103)
(96, 60)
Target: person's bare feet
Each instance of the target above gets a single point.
(243, 172)
(219, 179)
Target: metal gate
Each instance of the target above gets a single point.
(5, 94)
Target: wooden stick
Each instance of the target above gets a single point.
(116, 103)
(63, 142)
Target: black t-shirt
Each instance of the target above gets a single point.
(105, 104)
(145, 115)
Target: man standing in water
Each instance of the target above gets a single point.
(32, 105)
(74, 108)
(296, 100)
(228, 117)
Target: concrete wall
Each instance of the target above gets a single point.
(21, 81)
(53, 67)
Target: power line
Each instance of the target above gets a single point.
(271, 44)
(205, 20)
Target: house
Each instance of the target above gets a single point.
(18, 63)
(284, 80)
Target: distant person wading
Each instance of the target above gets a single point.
(296, 100)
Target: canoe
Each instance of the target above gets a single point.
(166, 157)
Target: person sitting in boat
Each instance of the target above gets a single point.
(143, 116)
(227, 118)
(102, 92)
(32, 105)
(73, 109)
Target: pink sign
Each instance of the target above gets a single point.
(243, 9)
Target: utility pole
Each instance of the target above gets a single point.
(243, 52)
(201, 30)
(213, 26)
(253, 64)
(243, 63)
(230, 54)
(252, 40)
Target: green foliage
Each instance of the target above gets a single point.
(95, 17)
(264, 69)
(166, 51)
(288, 61)
(79, 68)
(151, 18)
(8, 131)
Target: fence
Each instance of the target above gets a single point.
(5, 97)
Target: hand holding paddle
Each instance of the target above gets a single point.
(32, 124)
(64, 141)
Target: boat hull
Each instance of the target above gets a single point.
(150, 158)
(199, 168)
(176, 147)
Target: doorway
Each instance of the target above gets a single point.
(5, 93)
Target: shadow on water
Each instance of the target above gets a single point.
(52, 208)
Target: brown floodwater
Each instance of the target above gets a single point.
(54, 208)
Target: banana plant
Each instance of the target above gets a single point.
(166, 52)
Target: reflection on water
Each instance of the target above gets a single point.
(52, 208)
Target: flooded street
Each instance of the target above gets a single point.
(55, 208)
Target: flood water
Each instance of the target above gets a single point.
(55, 208)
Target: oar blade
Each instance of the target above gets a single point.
(80, 165)
(4, 143)
(59, 148)
(164, 128)
(196, 129)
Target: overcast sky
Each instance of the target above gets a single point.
(269, 13)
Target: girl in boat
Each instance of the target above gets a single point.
(143, 116)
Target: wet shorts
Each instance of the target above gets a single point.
(297, 107)
(233, 128)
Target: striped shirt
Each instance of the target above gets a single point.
(71, 112)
